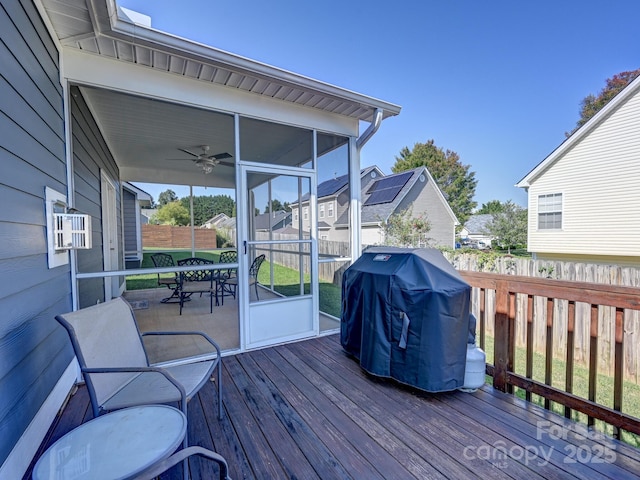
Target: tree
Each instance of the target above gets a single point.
(509, 227)
(591, 104)
(207, 206)
(172, 214)
(402, 229)
(493, 206)
(275, 204)
(454, 179)
(166, 197)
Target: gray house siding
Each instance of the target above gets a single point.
(90, 157)
(34, 349)
(130, 224)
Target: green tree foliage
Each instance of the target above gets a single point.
(493, 206)
(275, 204)
(402, 229)
(509, 227)
(167, 196)
(208, 206)
(456, 182)
(172, 213)
(592, 104)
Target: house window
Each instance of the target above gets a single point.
(550, 211)
(330, 210)
(295, 215)
(321, 210)
(306, 213)
(324, 237)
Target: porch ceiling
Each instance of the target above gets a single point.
(143, 133)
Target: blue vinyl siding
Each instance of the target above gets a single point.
(34, 350)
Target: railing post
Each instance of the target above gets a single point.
(502, 337)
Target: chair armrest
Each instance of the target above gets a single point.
(164, 465)
(200, 334)
(201, 352)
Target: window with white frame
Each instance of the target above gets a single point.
(305, 212)
(550, 211)
(295, 215)
(321, 211)
(330, 210)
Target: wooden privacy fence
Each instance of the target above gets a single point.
(506, 290)
(170, 236)
(571, 272)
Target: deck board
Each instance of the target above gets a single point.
(307, 410)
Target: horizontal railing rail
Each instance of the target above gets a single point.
(506, 298)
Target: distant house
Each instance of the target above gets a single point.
(216, 220)
(381, 197)
(146, 214)
(476, 229)
(271, 221)
(583, 198)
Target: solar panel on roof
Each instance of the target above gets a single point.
(329, 187)
(382, 196)
(385, 190)
(391, 182)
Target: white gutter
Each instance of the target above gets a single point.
(371, 129)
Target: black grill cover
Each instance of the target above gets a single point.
(405, 315)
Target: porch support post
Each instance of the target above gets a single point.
(502, 337)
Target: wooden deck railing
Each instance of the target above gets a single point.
(505, 298)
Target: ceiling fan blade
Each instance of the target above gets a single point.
(190, 153)
(220, 156)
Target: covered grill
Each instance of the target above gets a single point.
(405, 315)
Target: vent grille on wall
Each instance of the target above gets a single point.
(72, 231)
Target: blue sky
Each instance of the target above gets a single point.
(499, 82)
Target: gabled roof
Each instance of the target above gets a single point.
(217, 219)
(265, 220)
(335, 186)
(606, 111)
(385, 205)
(478, 223)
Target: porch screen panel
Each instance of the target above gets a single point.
(333, 223)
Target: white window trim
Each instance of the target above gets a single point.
(330, 210)
(560, 211)
(321, 211)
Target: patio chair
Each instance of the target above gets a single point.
(232, 283)
(161, 260)
(181, 455)
(222, 275)
(195, 281)
(115, 366)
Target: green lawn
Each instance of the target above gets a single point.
(604, 388)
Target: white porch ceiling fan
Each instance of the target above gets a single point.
(204, 160)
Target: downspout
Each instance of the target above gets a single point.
(371, 129)
(354, 179)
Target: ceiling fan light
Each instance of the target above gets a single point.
(207, 168)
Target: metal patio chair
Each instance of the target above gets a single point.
(222, 275)
(195, 281)
(115, 365)
(161, 260)
(232, 283)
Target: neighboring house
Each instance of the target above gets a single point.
(381, 196)
(133, 200)
(333, 202)
(216, 220)
(583, 198)
(415, 190)
(271, 221)
(146, 214)
(92, 100)
(476, 229)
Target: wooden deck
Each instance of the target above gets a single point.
(307, 411)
